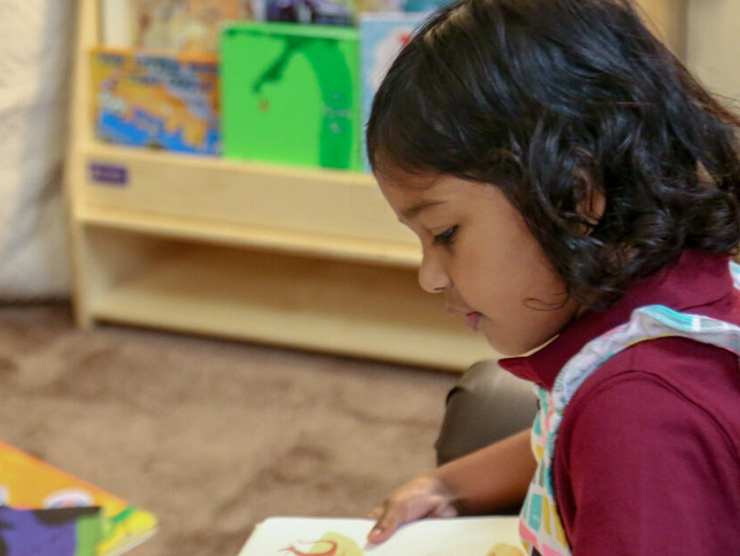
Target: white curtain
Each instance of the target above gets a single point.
(36, 39)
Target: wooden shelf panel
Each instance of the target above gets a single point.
(311, 202)
(359, 310)
(288, 242)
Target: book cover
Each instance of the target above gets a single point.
(321, 12)
(382, 36)
(30, 484)
(380, 6)
(160, 102)
(57, 532)
(291, 95)
(183, 25)
(467, 536)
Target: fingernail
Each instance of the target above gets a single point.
(377, 531)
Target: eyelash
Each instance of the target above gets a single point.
(446, 238)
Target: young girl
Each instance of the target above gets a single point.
(574, 187)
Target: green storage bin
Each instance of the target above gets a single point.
(291, 94)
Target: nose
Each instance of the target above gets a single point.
(432, 276)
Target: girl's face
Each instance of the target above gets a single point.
(479, 253)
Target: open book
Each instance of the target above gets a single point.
(467, 536)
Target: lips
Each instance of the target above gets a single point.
(473, 320)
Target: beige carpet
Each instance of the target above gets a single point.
(212, 436)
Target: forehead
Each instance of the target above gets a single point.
(399, 179)
(409, 194)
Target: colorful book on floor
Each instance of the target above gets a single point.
(65, 508)
(303, 536)
(63, 532)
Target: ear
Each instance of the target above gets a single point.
(591, 198)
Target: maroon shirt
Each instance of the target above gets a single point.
(647, 460)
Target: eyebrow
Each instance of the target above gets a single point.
(416, 209)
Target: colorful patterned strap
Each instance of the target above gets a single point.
(540, 526)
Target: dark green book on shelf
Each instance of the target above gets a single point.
(290, 94)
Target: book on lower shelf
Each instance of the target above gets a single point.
(465, 536)
(37, 498)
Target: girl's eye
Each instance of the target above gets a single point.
(446, 238)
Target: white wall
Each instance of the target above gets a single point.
(713, 45)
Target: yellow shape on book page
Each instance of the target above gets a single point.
(344, 545)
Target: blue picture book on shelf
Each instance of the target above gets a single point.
(382, 36)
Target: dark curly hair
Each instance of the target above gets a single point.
(530, 94)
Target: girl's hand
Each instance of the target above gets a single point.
(422, 497)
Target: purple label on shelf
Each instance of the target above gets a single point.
(109, 174)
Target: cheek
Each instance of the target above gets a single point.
(509, 284)
(484, 285)
(497, 273)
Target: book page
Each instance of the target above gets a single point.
(468, 536)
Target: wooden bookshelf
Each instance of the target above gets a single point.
(307, 259)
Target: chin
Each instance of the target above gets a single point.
(509, 352)
(511, 349)
(505, 348)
